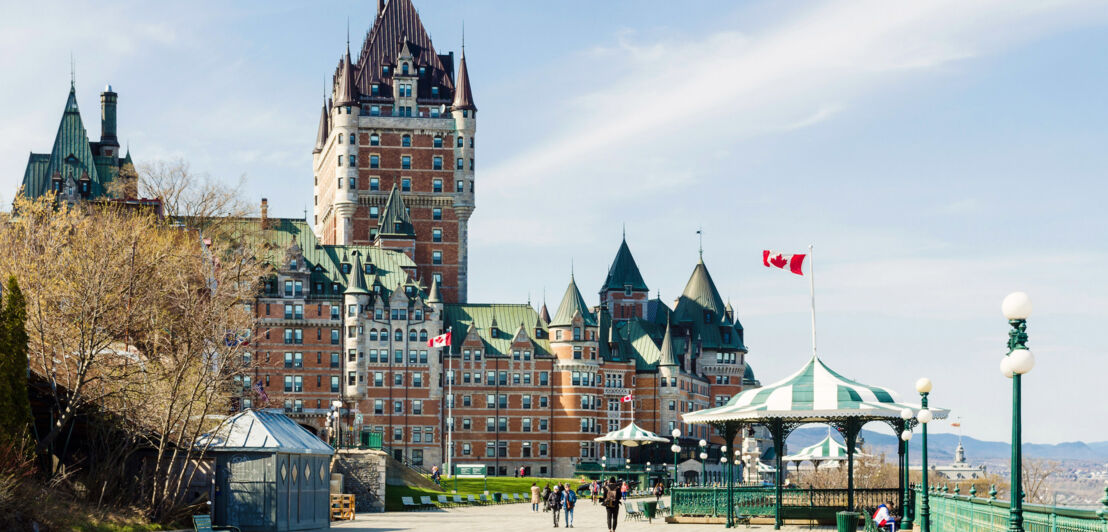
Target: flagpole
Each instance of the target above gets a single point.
(449, 409)
(812, 290)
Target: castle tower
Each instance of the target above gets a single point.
(401, 118)
(109, 143)
(624, 293)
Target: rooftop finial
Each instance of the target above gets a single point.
(571, 268)
(72, 71)
(463, 36)
(348, 34)
(700, 236)
(625, 230)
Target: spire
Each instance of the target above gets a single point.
(667, 358)
(463, 95)
(624, 271)
(356, 282)
(700, 244)
(347, 93)
(572, 303)
(433, 294)
(395, 220)
(544, 314)
(72, 71)
(324, 128)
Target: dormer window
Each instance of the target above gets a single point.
(404, 68)
(345, 268)
(292, 264)
(370, 269)
(627, 289)
(376, 89)
(422, 71)
(335, 288)
(434, 92)
(707, 316)
(384, 70)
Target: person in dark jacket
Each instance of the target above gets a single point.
(554, 502)
(611, 495)
(546, 497)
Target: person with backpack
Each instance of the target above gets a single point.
(611, 495)
(570, 501)
(554, 502)
(658, 491)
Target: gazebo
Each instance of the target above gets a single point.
(825, 450)
(631, 436)
(813, 394)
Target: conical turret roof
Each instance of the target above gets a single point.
(624, 271)
(395, 220)
(355, 283)
(572, 303)
(667, 357)
(700, 295)
(346, 92)
(71, 156)
(324, 128)
(463, 96)
(544, 314)
(433, 294)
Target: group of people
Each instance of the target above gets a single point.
(557, 499)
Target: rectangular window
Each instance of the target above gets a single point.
(406, 184)
(459, 166)
(374, 161)
(378, 407)
(436, 257)
(542, 425)
(436, 213)
(526, 424)
(334, 337)
(436, 186)
(459, 186)
(436, 235)
(398, 407)
(466, 449)
(398, 379)
(467, 423)
(417, 407)
(437, 142)
(543, 401)
(334, 384)
(544, 378)
(417, 380)
(490, 424)
(374, 183)
(436, 163)
(406, 162)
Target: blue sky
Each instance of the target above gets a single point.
(938, 155)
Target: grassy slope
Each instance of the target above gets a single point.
(469, 486)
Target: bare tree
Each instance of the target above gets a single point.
(1036, 476)
(202, 202)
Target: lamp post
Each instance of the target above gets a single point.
(923, 386)
(1016, 308)
(703, 462)
(676, 448)
(336, 412)
(906, 436)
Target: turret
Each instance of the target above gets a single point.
(624, 291)
(465, 125)
(344, 128)
(355, 298)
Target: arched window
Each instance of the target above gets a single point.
(340, 138)
(340, 160)
(423, 335)
(461, 141)
(406, 141)
(375, 140)
(412, 335)
(353, 139)
(373, 335)
(398, 335)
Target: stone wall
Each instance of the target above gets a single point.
(363, 476)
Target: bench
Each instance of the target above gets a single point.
(472, 500)
(458, 500)
(203, 523)
(443, 501)
(484, 500)
(517, 497)
(426, 504)
(409, 504)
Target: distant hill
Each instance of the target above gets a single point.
(940, 446)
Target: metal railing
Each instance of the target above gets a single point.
(761, 500)
(975, 514)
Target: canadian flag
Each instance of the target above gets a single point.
(626, 399)
(441, 340)
(793, 263)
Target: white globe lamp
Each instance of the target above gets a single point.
(907, 414)
(676, 433)
(924, 416)
(1006, 367)
(1021, 361)
(906, 435)
(923, 385)
(1017, 306)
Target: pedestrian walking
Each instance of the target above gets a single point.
(536, 496)
(594, 491)
(570, 501)
(611, 495)
(546, 497)
(659, 490)
(554, 502)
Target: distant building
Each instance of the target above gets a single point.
(77, 168)
(960, 469)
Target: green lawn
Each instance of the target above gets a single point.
(470, 486)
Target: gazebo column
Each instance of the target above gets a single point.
(729, 430)
(780, 431)
(849, 428)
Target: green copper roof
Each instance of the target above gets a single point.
(395, 220)
(667, 356)
(572, 302)
(507, 317)
(71, 157)
(624, 271)
(701, 309)
(325, 262)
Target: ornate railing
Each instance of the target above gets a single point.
(760, 500)
(976, 514)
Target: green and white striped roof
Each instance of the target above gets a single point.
(815, 393)
(632, 436)
(827, 450)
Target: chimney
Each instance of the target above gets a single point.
(108, 100)
(265, 213)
